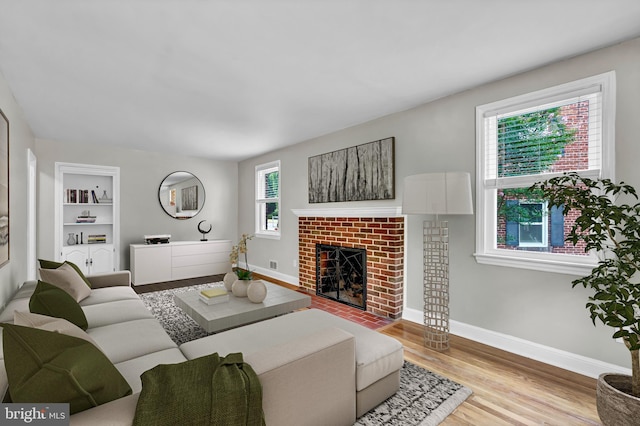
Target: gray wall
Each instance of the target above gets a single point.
(535, 306)
(439, 136)
(13, 274)
(140, 175)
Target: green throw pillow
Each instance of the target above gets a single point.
(50, 264)
(45, 366)
(50, 300)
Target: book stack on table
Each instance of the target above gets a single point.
(212, 296)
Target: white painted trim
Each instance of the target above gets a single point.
(394, 211)
(569, 361)
(259, 201)
(552, 264)
(275, 274)
(486, 222)
(32, 226)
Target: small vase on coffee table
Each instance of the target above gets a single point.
(229, 279)
(257, 291)
(240, 287)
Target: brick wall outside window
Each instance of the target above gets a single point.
(383, 239)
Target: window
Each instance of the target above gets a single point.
(268, 200)
(528, 139)
(530, 227)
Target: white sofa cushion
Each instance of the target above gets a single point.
(132, 339)
(115, 413)
(26, 290)
(44, 322)
(115, 312)
(21, 305)
(377, 355)
(133, 368)
(109, 294)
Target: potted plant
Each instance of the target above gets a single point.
(240, 282)
(611, 227)
(242, 275)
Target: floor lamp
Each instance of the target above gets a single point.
(437, 194)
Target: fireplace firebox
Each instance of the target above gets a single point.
(341, 274)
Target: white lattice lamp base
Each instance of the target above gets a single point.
(436, 284)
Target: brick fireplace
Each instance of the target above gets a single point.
(381, 237)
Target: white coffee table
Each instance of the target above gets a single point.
(240, 310)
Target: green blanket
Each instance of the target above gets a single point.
(204, 391)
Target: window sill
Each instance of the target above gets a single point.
(267, 235)
(559, 266)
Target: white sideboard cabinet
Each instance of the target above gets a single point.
(152, 263)
(87, 216)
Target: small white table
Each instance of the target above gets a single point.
(240, 310)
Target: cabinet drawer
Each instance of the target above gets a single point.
(199, 259)
(200, 270)
(191, 249)
(150, 264)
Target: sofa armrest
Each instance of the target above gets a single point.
(110, 279)
(310, 380)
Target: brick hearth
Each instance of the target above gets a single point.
(381, 237)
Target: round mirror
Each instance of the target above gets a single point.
(181, 195)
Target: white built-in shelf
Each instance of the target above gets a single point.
(92, 181)
(87, 204)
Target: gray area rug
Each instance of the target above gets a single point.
(179, 326)
(424, 398)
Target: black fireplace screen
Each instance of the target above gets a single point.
(341, 274)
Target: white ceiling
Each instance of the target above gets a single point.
(237, 78)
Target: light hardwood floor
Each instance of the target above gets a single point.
(507, 389)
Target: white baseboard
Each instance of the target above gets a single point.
(275, 274)
(569, 361)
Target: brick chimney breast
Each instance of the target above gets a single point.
(381, 237)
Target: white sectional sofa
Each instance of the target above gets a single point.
(315, 368)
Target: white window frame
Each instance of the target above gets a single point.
(544, 223)
(260, 202)
(486, 217)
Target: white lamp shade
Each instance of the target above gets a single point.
(437, 193)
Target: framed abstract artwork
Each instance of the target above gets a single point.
(4, 189)
(359, 173)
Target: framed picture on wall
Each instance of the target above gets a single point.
(359, 173)
(4, 189)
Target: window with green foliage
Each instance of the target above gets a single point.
(527, 139)
(529, 145)
(268, 199)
